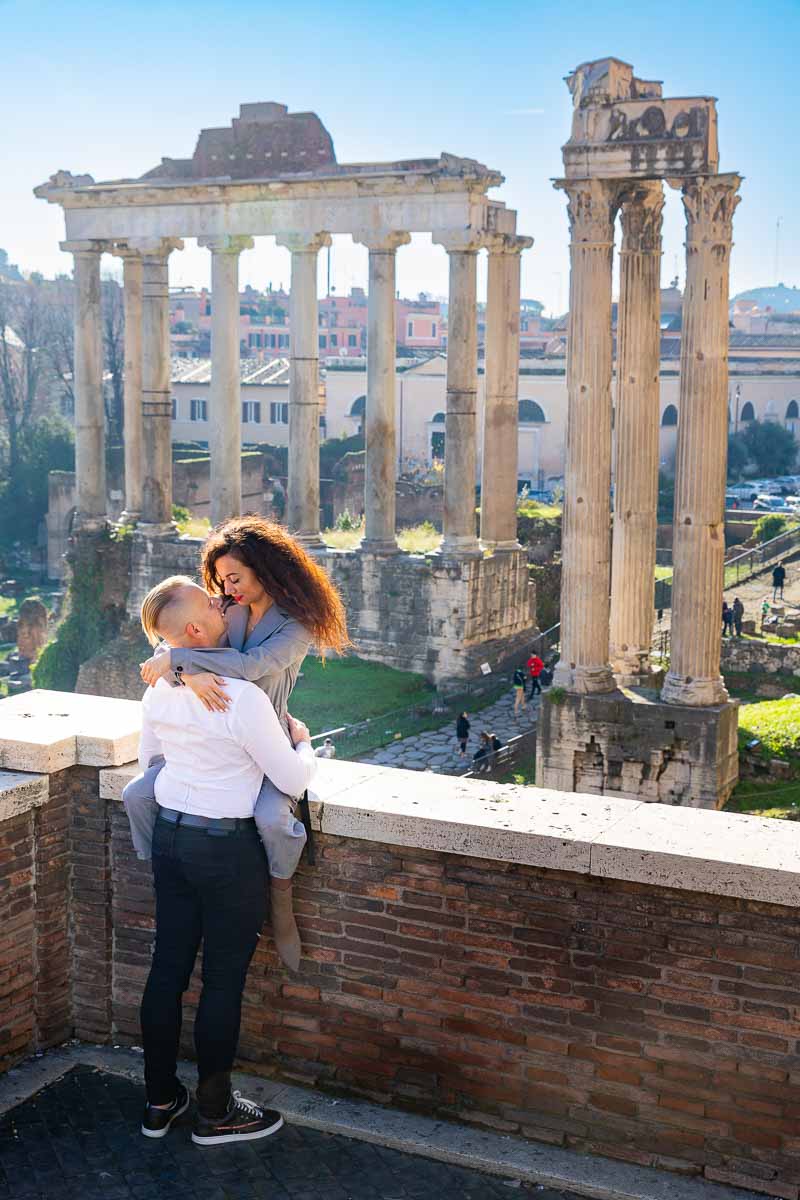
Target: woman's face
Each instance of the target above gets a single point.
(239, 581)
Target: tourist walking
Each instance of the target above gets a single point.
(727, 619)
(275, 600)
(209, 868)
(778, 580)
(535, 666)
(462, 732)
(519, 690)
(738, 616)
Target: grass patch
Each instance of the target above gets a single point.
(663, 572)
(196, 527)
(523, 773)
(776, 724)
(766, 798)
(416, 539)
(535, 508)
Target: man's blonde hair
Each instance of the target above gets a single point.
(160, 598)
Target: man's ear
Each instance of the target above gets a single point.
(193, 631)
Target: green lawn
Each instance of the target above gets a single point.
(344, 690)
(416, 539)
(776, 724)
(522, 773)
(770, 798)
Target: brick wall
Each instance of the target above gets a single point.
(651, 1024)
(641, 1023)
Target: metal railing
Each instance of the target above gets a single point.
(500, 761)
(753, 562)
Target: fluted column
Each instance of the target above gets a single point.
(156, 390)
(132, 400)
(225, 441)
(501, 405)
(380, 423)
(90, 455)
(302, 509)
(699, 534)
(460, 443)
(636, 423)
(583, 665)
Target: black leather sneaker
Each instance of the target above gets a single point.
(156, 1121)
(244, 1122)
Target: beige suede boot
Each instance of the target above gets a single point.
(284, 927)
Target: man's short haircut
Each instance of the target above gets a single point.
(157, 602)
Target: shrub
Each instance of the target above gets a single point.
(347, 521)
(768, 527)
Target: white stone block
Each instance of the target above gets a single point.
(20, 792)
(726, 854)
(47, 731)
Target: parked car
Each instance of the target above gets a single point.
(770, 504)
(793, 502)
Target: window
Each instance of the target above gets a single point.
(278, 413)
(531, 413)
(352, 341)
(410, 329)
(174, 408)
(198, 410)
(323, 341)
(748, 412)
(358, 406)
(251, 412)
(334, 339)
(792, 412)
(669, 417)
(433, 329)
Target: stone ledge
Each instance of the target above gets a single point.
(45, 731)
(723, 854)
(20, 792)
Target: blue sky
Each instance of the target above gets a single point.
(108, 88)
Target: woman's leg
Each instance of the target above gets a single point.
(284, 838)
(139, 799)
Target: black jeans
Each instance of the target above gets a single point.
(209, 887)
(536, 687)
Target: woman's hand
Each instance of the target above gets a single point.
(209, 689)
(298, 731)
(155, 668)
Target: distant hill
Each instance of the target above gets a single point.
(780, 299)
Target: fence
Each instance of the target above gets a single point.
(522, 746)
(753, 562)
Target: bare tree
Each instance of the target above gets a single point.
(22, 332)
(114, 357)
(59, 339)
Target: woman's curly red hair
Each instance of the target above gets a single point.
(285, 570)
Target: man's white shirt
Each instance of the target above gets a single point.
(215, 761)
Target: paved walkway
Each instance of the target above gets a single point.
(79, 1139)
(437, 749)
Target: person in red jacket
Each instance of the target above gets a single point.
(535, 668)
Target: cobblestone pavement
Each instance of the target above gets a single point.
(79, 1139)
(437, 749)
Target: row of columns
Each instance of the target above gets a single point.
(608, 581)
(147, 396)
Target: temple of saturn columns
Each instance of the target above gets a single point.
(274, 173)
(616, 728)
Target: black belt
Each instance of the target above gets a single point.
(195, 821)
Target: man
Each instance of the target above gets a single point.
(535, 665)
(778, 580)
(738, 616)
(209, 868)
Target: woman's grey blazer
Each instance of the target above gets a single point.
(270, 657)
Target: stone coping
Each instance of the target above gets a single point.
(724, 854)
(47, 731)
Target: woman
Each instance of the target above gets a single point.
(277, 602)
(462, 732)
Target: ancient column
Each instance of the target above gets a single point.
(156, 390)
(636, 423)
(225, 441)
(583, 665)
(460, 441)
(90, 455)
(302, 509)
(380, 422)
(132, 402)
(501, 404)
(699, 532)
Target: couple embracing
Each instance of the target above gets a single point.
(222, 765)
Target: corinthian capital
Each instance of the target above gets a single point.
(710, 202)
(642, 208)
(226, 243)
(386, 240)
(303, 243)
(506, 243)
(592, 206)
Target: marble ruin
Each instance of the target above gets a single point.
(275, 174)
(679, 747)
